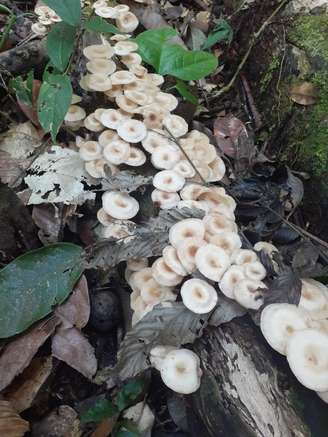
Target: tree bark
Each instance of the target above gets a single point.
(23, 58)
(241, 393)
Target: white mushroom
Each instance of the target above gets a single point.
(168, 180)
(126, 104)
(120, 205)
(180, 371)
(90, 150)
(153, 140)
(248, 293)
(132, 131)
(74, 114)
(212, 261)
(230, 280)
(137, 264)
(102, 51)
(104, 218)
(166, 100)
(184, 168)
(111, 118)
(117, 152)
(107, 136)
(157, 355)
(199, 296)
(255, 271)
(140, 278)
(175, 125)
(138, 97)
(131, 59)
(228, 241)
(267, 248)
(153, 293)
(314, 295)
(188, 228)
(101, 66)
(216, 224)
(92, 124)
(96, 168)
(123, 48)
(99, 82)
(164, 275)
(122, 77)
(164, 199)
(244, 256)
(39, 29)
(127, 22)
(171, 259)
(136, 157)
(106, 11)
(156, 79)
(307, 355)
(187, 250)
(165, 157)
(141, 415)
(279, 321)
(218, 170)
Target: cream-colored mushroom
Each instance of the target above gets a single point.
(157, 355)
(122, 77)
(111, 118)
(90, 150)
(153, 140)
(74, 114)
(167, 101)
(117, 230)
(255, 271)
(184, 168)
(153, 293)
(106, 12)
(171, 258)
(138, 97)
(92, 124)
(138, 70)
(107, 136)
(187, 250)
(192, 204)
(96, 51)
(117, 152)
(137, 264)
(218, 170)
(188, 228)
(126, 104)
(217, 223)
(132, 131)
(127, 22)
(164, 275)
(101, 66)
(140, 278)
(248, 293)
(131, 59)
(96, 168)
(136, 157)
(104, 218)
(314, 295)
(175, 125)
(99, 82)
(168, 180)
(212, 261)
(39, 29)
(123, 48)
(230, 280)
(165, 157)
(120, 205)
(165, 200)
(199, 296)
(228, 241)
(155, 79)
(76, 99)
(121, 8)
(244, 256)
(193, 191)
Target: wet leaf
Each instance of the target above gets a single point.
(230, 133)
(11, 424)
(296, 189)
(226, 311)
(286, 288)
(304, 93)
(32, 284)
(305, 258)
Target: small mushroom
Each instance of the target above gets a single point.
(267, 248)
(279, 321)
(104, 218)
(92, 124)
(131, 59)
(153, 293)
(217, 223)
(120, 205)
(165, 157)
(156, 79)
(138, 70)
(122, 77)
(137, 264)
(106, 12)
(99, 82)
(175, 125)
(212, 261)
(111, 118)
(199, 296)
(39, 29)
(90, 150)
(180, 371)
(132, 131)
(255, 271)
(171, 258)
(230, 280)
(140, 278)
(187, 250)
(96, 168)
(127, 22)
(164, 199)
(164, 275)
(157, 355)
(244, 256)
(101, 67)
(96, 51)
(138, 97)
(185, 169)
(136, 157)
(126, 104)
(307, 356)
(193, 191)
(107, 136)
(123, 48)
(248, 293)
(168, 180)
(218, 170)
(74, 114)
(314, 295)
(117, 152)
(228, 241)
(167, 101)
(193, 204)
(188, 228)
(153, 140)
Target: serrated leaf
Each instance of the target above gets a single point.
(54, 100)
(170, 324)
(148, 240)
(185, 92)
(32, 284)
(60, 44)
(98, 24)
(221, 32)
(68, 10)
(126, 181)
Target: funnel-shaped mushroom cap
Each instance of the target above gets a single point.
(136, 157)
(230, 280)
(106, 12)
(101, 66)
(140, 278)
(175, 125)
(117, 152)
(279, 321)
(248, 293)
(184, 168)
(90, 150)
(120, 205)
(127, 22)
(164, 199)
(158, 353)
(171, 258)
(307, 355)
(111, 118)
(180, 371)
(96, 168)
(244, 256)
(314, 295)
(218, 169)
(102, 51)
(152, 293)
(123, 48)
(137, 264)
(92, 124)
(212, 261)
(164, 275)
(107, 137)
(168, 180)
(188, 228)
(153, 140)
(267, 248)
(193, 191)
(165, 157)
(75, 113)
(199, 296)
(228, 241)
(166, 100)
(132, 131)
(187, 250)
(216, 223)
(255, 271)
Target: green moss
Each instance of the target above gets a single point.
(267, 77)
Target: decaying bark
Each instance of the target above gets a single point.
(23, 58)
(242, 394)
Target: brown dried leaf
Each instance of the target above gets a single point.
(22, 392)
(59, 423)
(17, 354)
(11, 169)
(227, 131)
(76, 310)
(11, 424)
(304, 93)
(69, 345)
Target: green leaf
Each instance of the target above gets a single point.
(128, 394)
(60, 44)
(151, 42)
(32, 284)
(184, 64)
(68, 10)
(23, 89)
(100, 411)
(98, 24)
(221, 32)
(53, 102)
(185, 92)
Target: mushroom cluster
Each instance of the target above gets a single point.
(124, 19)
(300, 332)
(46, 17)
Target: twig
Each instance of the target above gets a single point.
(250, 99)
(254, 39)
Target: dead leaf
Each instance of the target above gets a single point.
(31, 111)
(105, 427)
(228, 130)
(59, 423)
(22, 392)
(11, 169)
(76, 310)
(304, 93)
(11, 424)
(69, 345)
(17, 354)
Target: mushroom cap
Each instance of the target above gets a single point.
(184, 168)
(171, 258)
(137, 264)
(132, 131)
(90, 150)
(193, 191)
(96, 51)
(168, 180)
(106, 12)
(307, 356)
(92, 124)
(123, 48)
(164, 275)
(122, 77)
(216, 223)
(126, 104)
(136, 157)
(101, 66)
(314, 295)
(166, 100)
(127, 22)
(75, 113)
(121, 8)
(180, 371)
(96, 168)
(187, 250)
(244, 256)
(279, 321)
(188, 228)
(164, 199)
(176, 125)
(218, 169)
(153, 140)
(138, 70)
(228, 241)
(99, 82)
(120, 205)
(104, 218)
(154, 293)
(165, 157)
(138, 97)
(230, 280)
(212, 261)
(139, 279)
(198, 296)
(158, 353)
(255, 271)
(117, 230)
(107, 136)
(156, 79)
(76, 99)
(116, 152)
(131, 59)
(111, 118)
(267, 248)
(140, 414)
(248, 293)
